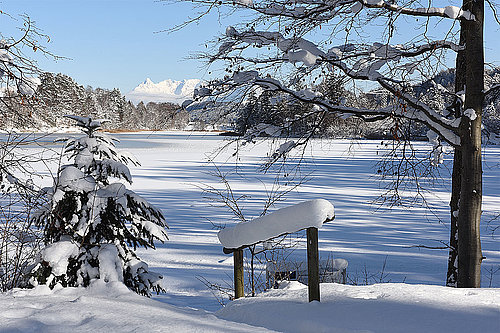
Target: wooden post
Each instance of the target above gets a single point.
(238, 274)
(313, 264)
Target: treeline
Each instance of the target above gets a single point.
(291, 117)
(59, 95)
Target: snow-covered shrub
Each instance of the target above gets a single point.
(19, 241)
(91, 224)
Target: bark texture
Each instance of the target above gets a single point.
(469, 244)
(456, 177)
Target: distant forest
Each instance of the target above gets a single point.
(59, 95)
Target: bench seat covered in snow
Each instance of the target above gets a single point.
(286, 220)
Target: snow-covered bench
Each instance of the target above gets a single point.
(310, 215)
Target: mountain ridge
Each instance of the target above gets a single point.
(168, 90)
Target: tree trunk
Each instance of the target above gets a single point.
(469, 216)
(452, 274)
(456, 177)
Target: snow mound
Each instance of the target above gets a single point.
(380, 308)
(103, 307)
(291, 285)
(306, 214)
(168, 91)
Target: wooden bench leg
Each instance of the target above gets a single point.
(313, 264)
(238, 274)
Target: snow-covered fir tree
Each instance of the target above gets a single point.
(92, 223)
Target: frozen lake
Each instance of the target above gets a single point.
(379, 243)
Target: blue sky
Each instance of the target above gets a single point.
(114, 43)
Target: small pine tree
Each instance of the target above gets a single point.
(92, 225)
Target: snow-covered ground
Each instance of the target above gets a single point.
(378, 242)
(102, 308)
(376, 308)
(383, 308)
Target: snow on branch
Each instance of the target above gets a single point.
(410, 107)
(301, 216)
(492, 90)
(368, 59)
(87, 122)
(327, 10)
(378, 62)
(452, 12)
(296, 49)
(358, 62)
(447, 128)
(96, 152)
(17, 71)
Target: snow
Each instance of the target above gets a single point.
(366, 67)
(282, 150)
(153, 228)
(375, 2)
(303, 56)
(363, 233)
(263, 129)
(110, 269)
(57, 255)
(471, 114)
(25, 86)
(384, 308)
(356, 8)
(5, 56)
(244, 76)
(291, 285)
(202, 92)
(171, 91)
(308, 93)
(437, 156)
(306, 214)
(103, 308)
(297, 49)
(456, 12)
(73, 179)
(28, 85)
(450, 11)
(246, 3)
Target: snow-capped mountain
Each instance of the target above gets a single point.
(164, 91)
